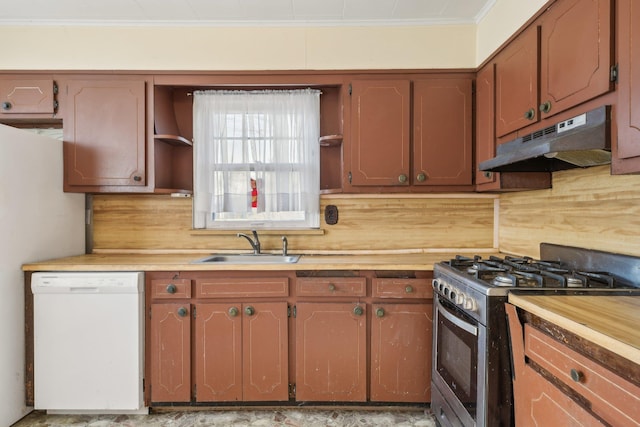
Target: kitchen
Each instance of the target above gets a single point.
(569, 213)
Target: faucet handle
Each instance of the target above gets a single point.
(285, 245)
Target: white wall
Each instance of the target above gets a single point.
(236, 48)
(37, 222)
(500, 22)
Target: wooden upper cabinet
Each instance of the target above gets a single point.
(442, 132)
(27, 96)
(576, 53)
(380, 111)
(485, 123)
(104, 133)
(517, 83)
(628, 111)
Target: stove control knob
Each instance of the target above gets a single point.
(460, 298)
(435, 283)
(470, 304)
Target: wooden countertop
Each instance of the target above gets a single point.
(612, 322)
(184, 262)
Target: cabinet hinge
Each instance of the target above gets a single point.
(350, 89)
(294, 312)
(349, 177)
(193, 312)
(613, 75)
(292, 391)
(195, 395)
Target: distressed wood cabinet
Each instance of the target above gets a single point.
(626, 150)
(568, 51)
(169, 348)
(27, 95)
(401, 335)
(389, 154)
(331, 340)
(555, 384)
(104, 134)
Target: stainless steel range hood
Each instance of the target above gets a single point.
(581, 141)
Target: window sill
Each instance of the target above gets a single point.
(210, 232)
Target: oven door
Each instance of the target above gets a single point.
(455, 368)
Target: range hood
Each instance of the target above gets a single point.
(581, 141)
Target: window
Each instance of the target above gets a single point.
(256, 159)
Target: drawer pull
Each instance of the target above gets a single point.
(332, 287)
(576, 375)
(358, 311)
(408, 289)
(172, 289)
(233, 311)
(380, 312)
(182, 312)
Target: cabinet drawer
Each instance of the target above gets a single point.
(402, 288)
(170, 289)
(234, 287)
(613, 398)
(331, 286)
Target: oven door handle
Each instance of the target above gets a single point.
(456, 320)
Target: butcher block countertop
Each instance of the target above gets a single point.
(612, 322)
(184, 262)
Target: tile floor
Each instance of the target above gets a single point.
(241, 418)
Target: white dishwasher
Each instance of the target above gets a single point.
(88, 341)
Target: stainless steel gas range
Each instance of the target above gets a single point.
(471, 375)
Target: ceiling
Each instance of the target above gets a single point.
(242, 12)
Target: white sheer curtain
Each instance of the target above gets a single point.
(262, 139)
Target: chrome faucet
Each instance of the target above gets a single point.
(255, 242)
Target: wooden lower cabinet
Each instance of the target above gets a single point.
(557, 385)
(170, 352)
(331, 352)
(401, 352)
(241, 352)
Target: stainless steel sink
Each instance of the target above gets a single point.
(248, 259)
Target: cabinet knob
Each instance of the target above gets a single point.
(488, 174)
(402, 179)
(6, 106)
(182, 312)
(137, 178)
(249, 311)
(530, 114)
(358, 311)
(332, 287)
(380, 312)
(172, 288)
(576, 375)
(545, 107)
(421, 177)
(233, 311)
(408, 289)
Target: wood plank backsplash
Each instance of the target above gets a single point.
(365, 223)
(586, 207)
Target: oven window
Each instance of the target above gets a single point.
(457, 358)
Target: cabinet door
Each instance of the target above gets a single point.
(485, 123)
(104, 133)
(331, 353)
(628, 114)
(241, 352)
(265, 351)
(170, 352)
(576, 50)
(517, 83)
(401, 352)
(26, 96)
(380, 111)
(218, 347)
(442, 132)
